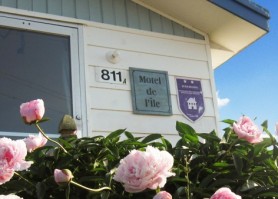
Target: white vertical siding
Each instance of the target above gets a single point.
(110, 105)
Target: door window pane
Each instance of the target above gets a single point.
(34, 65)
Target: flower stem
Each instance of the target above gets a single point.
(51, 140)
(157, 190)
(89, 189)
(187, 170)
(24, 178)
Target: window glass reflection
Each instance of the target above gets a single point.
(33, 66)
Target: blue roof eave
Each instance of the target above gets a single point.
(247, 10)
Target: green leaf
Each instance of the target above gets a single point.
(177, 179)
(183, 128)
(44, 119)
(221, 182)
(228, 132)
(41, 190)
(228, 121)
(209, 136)
(68, 191)
(265, 124)
(105, 194)
(188, 134)
(221, 164)
(129, 135)
(167, 144)
(238, 163)
(206, 180)
(151, 137)
(250, 184)
(181, 191)
(115, 134)
(269, 194)
(114, 150)
(261, 146)
(91, 179)
(275, 152)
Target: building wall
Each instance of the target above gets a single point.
(110, 105)
(116, 12)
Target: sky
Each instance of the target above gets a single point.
(247, 84)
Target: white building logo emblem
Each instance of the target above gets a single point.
(190, 98)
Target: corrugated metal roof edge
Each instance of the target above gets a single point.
(256, 7)
(247, 10)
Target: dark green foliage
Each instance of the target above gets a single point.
(202, 163)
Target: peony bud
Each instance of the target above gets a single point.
(225, 193)
(62, 176)
(163, 195)
(32, 111)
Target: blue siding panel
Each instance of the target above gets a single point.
(116, 12)
(132, 15)
(156, 22)
(188, 33)
(108, 12)
(9, 3)
(82, 9)
(120, 12)
(54, 7)
(144, 18)
(25, 4)
(198, 36)
(40, 6)
(68, 8)
(95, 10)
(167, 26)
(178, 29)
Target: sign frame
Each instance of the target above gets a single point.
(150, 92)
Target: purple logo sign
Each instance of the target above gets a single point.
(190, 98)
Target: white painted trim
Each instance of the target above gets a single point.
(145, 33)
(83, 67)
(213, 87)
(21, 134)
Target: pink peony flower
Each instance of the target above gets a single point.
(32, 111)
(163, 195)
(62, 176)
(11, 196)
(12, 158)
(247, 130)
(33, 142)
(141, 170)
(6, 173)
(224, 193)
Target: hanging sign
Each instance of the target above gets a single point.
(150, 92)
(190, 98)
